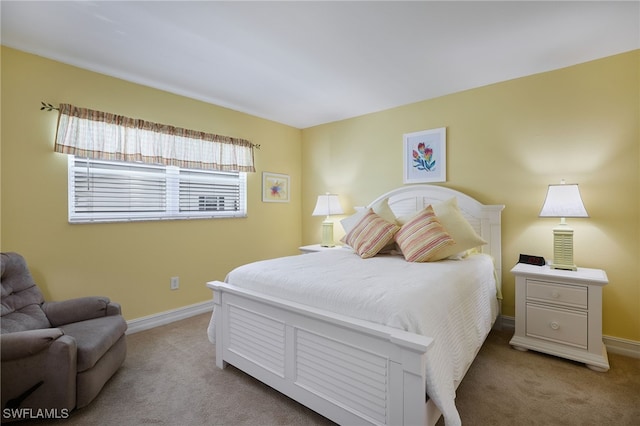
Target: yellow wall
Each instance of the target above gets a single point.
(505, 143)
(129, 262)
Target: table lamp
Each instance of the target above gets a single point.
(327, 205)
(563, 201)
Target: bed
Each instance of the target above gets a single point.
(345, 337)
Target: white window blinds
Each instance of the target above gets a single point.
(106, 191)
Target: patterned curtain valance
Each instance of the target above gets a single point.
(105, 136)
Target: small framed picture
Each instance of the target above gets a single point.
(425, 156)
(275, 188)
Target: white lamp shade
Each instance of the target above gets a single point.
(563, 200)
(327, 205)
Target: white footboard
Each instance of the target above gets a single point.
(350, 371)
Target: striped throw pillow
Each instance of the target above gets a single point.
(422, 237)
(370, 235)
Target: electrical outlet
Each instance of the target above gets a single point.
(175, 283)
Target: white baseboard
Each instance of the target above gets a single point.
(615, 345)
(156, 320)
(626, 347)
(506, 323)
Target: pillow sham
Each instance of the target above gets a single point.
(381, 208)
(465, 237)
(423, 237)
(370, 234)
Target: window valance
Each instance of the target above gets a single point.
(104, 136)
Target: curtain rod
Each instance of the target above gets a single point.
(48, 107)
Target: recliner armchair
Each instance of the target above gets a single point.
(55, 355)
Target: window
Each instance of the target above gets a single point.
(109, 191)
(123, 169)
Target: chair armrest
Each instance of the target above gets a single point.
(80, 309)
(39, 369)
(114, 308)
(22, 344)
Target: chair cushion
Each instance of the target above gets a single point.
(15, 274)
(21, 299)
(95, 337)
(31, 317)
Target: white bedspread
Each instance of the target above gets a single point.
(452, 301)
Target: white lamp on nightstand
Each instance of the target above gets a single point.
(327, 205)
(563, 201)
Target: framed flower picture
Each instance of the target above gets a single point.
(275, 188)
(425, 156)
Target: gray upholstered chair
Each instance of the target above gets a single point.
(55, 355)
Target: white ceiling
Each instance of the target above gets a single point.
(305, 63)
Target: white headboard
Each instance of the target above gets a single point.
(485, 219)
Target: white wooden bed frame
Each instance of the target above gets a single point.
(348, 370)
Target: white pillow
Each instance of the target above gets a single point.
(465, 237)
(381, 208)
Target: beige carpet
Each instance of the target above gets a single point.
(169, 378)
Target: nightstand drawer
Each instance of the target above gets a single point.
(562, 326)
(573, 296)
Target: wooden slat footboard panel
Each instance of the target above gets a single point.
(257, 338)
(343, 373)
(350, 371)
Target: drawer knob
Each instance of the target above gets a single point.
(555, 294)
(554, 325)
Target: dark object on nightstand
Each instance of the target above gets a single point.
(532, 260)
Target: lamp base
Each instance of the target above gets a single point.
(563, 267)
(563, 249)
(327, 234)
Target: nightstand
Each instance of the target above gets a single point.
(316, 248)
(560, 313)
